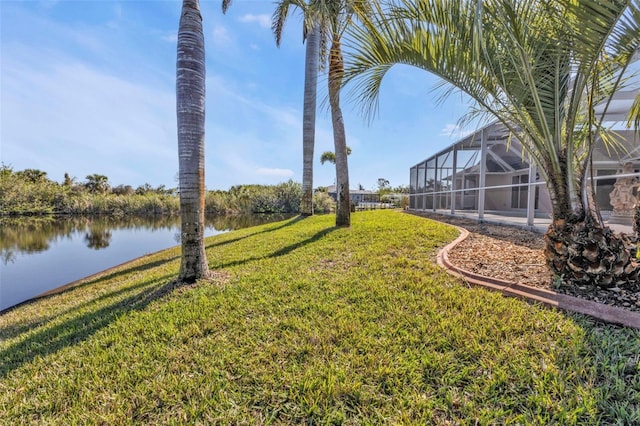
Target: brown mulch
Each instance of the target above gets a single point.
(517, 255)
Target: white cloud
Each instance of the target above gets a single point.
(275, 172)
(263, 20)
(69, 117)
(221, 35)
(454, 131)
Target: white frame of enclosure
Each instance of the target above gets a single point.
(447, 177)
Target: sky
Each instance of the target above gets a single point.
(89, 87)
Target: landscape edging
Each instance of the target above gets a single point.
(600, 311)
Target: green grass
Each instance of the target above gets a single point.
(306, 323)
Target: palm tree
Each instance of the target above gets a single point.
(97, 183)
(337, 16)
(336, 73)
(330, 18)
(539, 67)
(190, 107)
(330, 156)
(310, 35)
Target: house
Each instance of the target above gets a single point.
(356, 195)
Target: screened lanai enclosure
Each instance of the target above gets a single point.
(487, 173)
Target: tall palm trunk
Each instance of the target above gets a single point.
(336, 73)
(309, 117)
(190, 100)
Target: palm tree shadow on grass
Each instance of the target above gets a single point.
(280, 252)
(10, 332)
(287, 223)
(81, 327)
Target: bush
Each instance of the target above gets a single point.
(31, 192)
(323, 202)
(246, 199)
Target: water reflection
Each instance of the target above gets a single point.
(42, 253)
(24, 235)
(97, 238)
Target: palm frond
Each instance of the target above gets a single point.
(225, 5)
(280, 14)
(538, 66)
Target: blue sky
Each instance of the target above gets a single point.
(89, 87)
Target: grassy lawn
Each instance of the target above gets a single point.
(306, 323)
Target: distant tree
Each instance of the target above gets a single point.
(68, 180)
(398, 200)
(323, 201)
(383, 184)
(330, 156)
(144, 189)
(32, 175)
(123, 190)
(401, 189)
(97, 183)
(5, 170)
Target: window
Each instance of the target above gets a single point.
(413, 180)
(520, 194)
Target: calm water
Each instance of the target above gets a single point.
(40, 254)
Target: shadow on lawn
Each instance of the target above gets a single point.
(79, 328)
(280, 252)
(289, 222)
(10, 332)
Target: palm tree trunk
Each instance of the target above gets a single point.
(190, 100)
(580, 251)
(636, 221)
(309, 118)
(584, 253)
(336, 72)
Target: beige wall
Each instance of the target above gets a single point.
(497, 199)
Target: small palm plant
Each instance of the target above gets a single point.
(539, 67)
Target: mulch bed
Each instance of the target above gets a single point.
(517, 255)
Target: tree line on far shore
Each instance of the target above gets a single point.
(31, 192)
